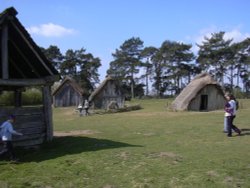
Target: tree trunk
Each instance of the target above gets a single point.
(231, 78)
(132, 86)
(132, 90)
(147, 82)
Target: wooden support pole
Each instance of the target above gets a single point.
(32, 49)
(47, 108)
(4, 52)
(18, 98)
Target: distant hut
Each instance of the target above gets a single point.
(203, 93)
(68, 93)
(22, 64)
(108, 93)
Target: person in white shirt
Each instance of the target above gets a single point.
(80, 109)
(6, 135)
(86, 107)
(230, 114)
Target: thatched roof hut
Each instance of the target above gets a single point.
(109, 91)
(68, 93)
(203, 93)
(22, 64)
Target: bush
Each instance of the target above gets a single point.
(7, 98)
(31, 96)
(126, 108)
(239, 94)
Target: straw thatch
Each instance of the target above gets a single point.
(201, 85)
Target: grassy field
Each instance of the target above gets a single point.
(152, 147)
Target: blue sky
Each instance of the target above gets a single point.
(101, 26)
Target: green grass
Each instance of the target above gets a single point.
(152, 147)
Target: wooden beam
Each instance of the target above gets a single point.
(17, 68)
(4, 52)
(27, 82)
(26, 59)
(31, 47)
(18, 98)
(47, 105)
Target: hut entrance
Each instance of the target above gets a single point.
(204, 101)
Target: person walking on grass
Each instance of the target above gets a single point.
(6, 130)
(230, 114)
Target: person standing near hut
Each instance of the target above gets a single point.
(225, 124)
(6, 135)
(230, 113)
(86, 107)
(80, 108)
(225, 116)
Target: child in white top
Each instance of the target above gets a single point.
(6, 135)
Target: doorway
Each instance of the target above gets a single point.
(204, 102)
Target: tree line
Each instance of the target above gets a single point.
(160, 70)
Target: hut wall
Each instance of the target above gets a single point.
(67, 96)
(30, 121)
(111, 92)
(215, 99)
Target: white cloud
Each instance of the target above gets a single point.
(207, 32)
(50, 30)
(234, 34)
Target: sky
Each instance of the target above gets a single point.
(102, 26)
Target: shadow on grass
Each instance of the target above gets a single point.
(245, 132)
(68, 145)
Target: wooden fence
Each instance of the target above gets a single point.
(30, 121)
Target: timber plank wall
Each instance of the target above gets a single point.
(30, 121)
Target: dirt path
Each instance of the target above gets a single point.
(76, 133)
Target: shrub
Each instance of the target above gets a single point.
(126, 108)
(31, 96)
(6, 98)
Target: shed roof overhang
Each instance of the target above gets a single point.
(21, 61)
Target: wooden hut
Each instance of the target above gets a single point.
(22, 64)
(68, 93)
(203, 93)
(108, 92)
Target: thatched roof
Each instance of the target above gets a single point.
(190, 91)
(25, 59)
(72, 83)
(99, 88)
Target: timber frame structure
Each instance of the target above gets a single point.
(107, 92)
(22, 64)
(68, 93)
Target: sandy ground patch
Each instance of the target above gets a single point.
(76, 133)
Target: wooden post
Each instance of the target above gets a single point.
(4, 52)
(47, 108)
(18, 98)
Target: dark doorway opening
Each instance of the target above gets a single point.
(204, 102)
